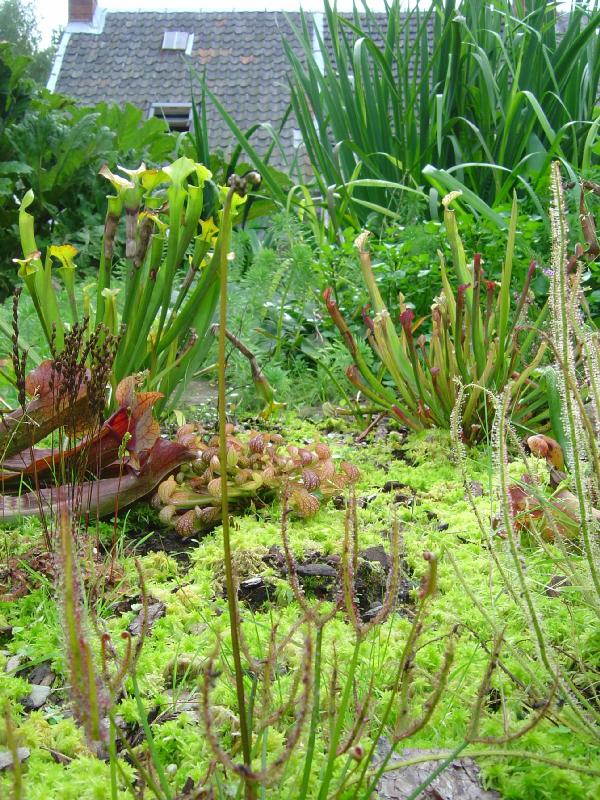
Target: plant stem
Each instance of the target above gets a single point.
(112, 751)
(156, 761)
(229, 581)
(337, 731)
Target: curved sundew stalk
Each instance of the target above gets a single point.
(564, 308)
(521, 595)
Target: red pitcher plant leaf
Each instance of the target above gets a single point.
(49, 408)
(105, 496)
(97, 451)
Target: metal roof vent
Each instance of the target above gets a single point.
(178, 40)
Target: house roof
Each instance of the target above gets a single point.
(241, 52)
(119, 58)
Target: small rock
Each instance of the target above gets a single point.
(6, 757)
(156, 610)
(254, 591)
(42, 675)
(364, 500)
(377, 553)
(389, 486)
(402, 499)
(372, 612)
(316, 570)
(275, 557)
(556, 584)
(36, 697)
(13, 664)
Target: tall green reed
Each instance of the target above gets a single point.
(468, 95)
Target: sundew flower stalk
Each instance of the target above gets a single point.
(565, 303)
(89, 698)
(237, 187)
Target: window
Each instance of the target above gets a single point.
(178, 116)
(178, 40)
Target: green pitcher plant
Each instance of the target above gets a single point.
(476, 338)
(164, 304)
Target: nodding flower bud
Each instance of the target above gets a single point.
(366, 318)
(429, 581)
(243, 184)
(357, 752)
(253, 177)
(463, 288)
(531, 270)
(406, 320)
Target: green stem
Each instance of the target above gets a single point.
(337, 731)
(156, 762)
(112, 751)
(314, 720)
(229, 581)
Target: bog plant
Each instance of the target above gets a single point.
(259, 468)
(478, 336)
(164, 307)
(95, 463)
(559, 515)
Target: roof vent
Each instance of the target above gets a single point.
(178, 116)
(178, 40)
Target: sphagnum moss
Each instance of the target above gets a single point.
(193, 617)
